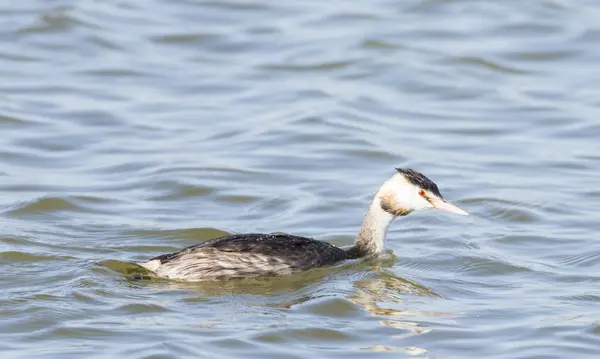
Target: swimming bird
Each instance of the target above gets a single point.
(273, 254)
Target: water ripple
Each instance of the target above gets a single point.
(135, 129)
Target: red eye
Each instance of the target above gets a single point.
(421, 193)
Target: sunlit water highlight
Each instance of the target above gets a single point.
(131, 129)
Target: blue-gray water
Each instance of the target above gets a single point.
(133, 128)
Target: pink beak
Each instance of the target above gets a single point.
(447, 206)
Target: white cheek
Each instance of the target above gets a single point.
(421, 203)
(412, 200)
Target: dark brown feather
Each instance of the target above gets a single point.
(419, 179)
(298, 252)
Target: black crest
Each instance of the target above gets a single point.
(419, 179)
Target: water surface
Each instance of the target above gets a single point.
(130, 129)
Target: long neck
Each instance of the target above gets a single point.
(371, 238)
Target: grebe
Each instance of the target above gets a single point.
(271, 254)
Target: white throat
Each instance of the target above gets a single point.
(371, 238)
